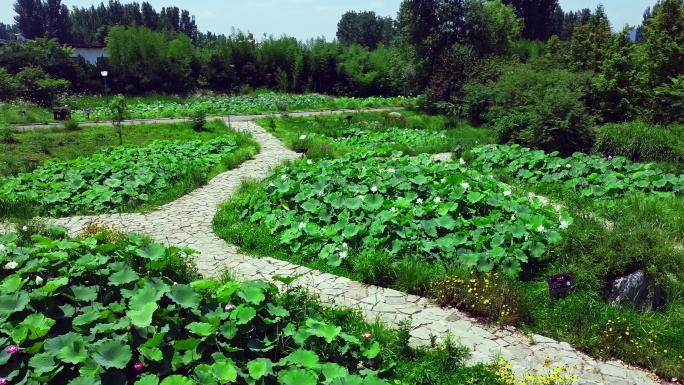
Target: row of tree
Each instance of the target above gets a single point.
(80, 25)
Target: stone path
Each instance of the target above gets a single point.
(227, 118)
(187, 222)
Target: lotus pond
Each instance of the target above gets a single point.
(112, 308)
(119, 178)
(334, 209)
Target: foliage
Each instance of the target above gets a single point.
(542, 109)
(69, 318)
(489, 295)
(589, 176)
(334, 209)
(117, 113)
(150, 60)
(41, 18)
(198, 120)
(37, 86)
(137, 108)
(640, 141)
(115, 177)
(24, 155)
(71, 125)
(365, 28)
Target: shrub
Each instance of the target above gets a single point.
(7, 134)
(71, 125)
(490, 295)
(639, 141)
(198, 120)
(542, 109)
(36, 85)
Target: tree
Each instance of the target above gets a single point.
(431, 28)
(491, 27)
(117, 113)
(29, 18)
(365, 28)
(590, 42)
(538, 16)
(56, 20)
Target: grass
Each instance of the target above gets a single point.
(290, 130)
(23, 113)
(23, 151)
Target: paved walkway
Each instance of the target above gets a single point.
(227, 118)
(187, 222)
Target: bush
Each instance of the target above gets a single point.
(491, 295)
(7, 134)
(542, 109)
(639, 141)
(39, 87)
(198, 120)
(71, 125)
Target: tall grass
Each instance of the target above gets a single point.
(640, 141)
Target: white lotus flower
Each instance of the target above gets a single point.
(374, 189)
(11, 265)
(343, 254)
(419, 200)
(442, 180)
(541, 228)
(465, 185)
(362, 197)
(564, 225)
(283, 177)
(513, 217)
(302, 225)
(437, 200)
(271, 184)
(393, 209)
(443, 136)
(344, 245)
(391, 170)
(568, 165)
(461, 161)
(302, 137)
(507, 193)
(39, 280)
(309, 161)
(2, 247)
(24, 228)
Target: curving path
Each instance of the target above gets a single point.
(187, 222)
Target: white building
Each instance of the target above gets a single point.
(91, 53)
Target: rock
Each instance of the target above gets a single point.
(637, 289)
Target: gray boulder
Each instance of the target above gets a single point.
(638, 290)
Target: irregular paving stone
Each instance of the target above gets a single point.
(187, 222)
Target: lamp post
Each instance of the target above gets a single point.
(104, 75)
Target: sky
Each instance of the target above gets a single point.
(304, 19)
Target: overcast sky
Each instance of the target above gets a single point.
(304, 19)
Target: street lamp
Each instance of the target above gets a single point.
(104, 75)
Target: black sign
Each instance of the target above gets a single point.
(561, 283)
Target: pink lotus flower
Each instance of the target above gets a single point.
(359, 366)
(12, 349)
(229, 308)
(366, 335)
(610, 157)
(128, 328)
(584, 184)
(3, 380)
(138, 366)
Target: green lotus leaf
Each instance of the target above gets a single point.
(185, 296)
(294, 376)
(113, 354)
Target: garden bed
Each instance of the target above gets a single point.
(118, 179)
(113, 308)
